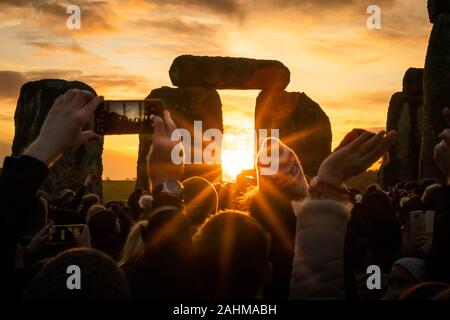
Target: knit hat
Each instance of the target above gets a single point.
(281, 169)
(414, 266)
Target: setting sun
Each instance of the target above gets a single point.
(234, 161)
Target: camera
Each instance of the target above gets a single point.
(126, 116)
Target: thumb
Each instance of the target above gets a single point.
(87, 136)
(159, 127)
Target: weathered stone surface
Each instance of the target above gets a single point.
(303, 125)
(186, 105)
(70, 170)
(435, 7)
(436, 93)
(228, 73)
(413, 82)
(402, 162)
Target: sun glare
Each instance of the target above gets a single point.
(237, 155)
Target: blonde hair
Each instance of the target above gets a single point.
(134, 246)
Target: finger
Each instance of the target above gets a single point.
(372, 142)
(357, 142)
(439, 150)
(81, 97)
(90, 107)
(445, 135)
(46, 228)
(68, 96)
(170, 124)
(87, 136)
(447, 115)
(379, 150)
(159, 126)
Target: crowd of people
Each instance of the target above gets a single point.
(286, 236)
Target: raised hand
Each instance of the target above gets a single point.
(39, 241)
(62, 130)
(89, 179)
(356, 157)
(160, 166)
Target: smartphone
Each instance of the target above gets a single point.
(70, 234)
(421, 222)
(114, 117)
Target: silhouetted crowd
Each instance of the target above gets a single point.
(272, 236)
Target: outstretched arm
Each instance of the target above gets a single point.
(322, 221)
(21, 177)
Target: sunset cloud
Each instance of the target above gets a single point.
(125, 48)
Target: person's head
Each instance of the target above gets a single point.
(280, 172)
(93, 210)
(405, 273)
(425, 183)
(373, 236)
(104, 229)
(146, 203)
(200, 200)
(99, 278)
(135, 244)
(429, 196)
(374, 187)
(412, 186)
(166, 270)
(232, 252)
(133, 203)
(87, 202)
(65, 197)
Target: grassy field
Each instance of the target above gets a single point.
(117, 190)
(120, 190)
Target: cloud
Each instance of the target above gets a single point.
(227, 7)
(111, 83)
(93, 13)
(11, 82)
(178, 26)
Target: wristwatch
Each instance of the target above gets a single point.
(168, 193)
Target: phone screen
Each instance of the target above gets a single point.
(126, 116)
(74, 234)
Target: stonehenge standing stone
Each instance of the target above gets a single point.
(186, 105)
(404, 116)
(436, 86)
(435, 7)
(228, 73)
(70, 170)
(303, 125)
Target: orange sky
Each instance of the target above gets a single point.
(124, 50)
